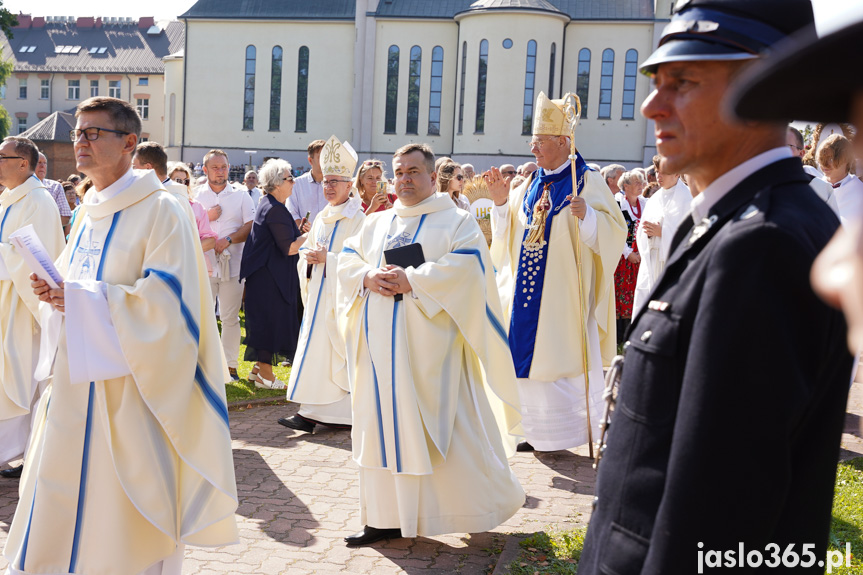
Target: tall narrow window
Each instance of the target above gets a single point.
(302, 88)
(529, 77)
(414, 90)
(482, 78)
(249, 95)
(551, 70)
(74, 90)
(94, 88)
(435, 91)
(605, 84)
(461, 96)
(582, 83)
(392, 90)
(114, 89)
(22, 95)
(629, 71)
(45, 89)
(143, 107)
(276, 89)
(22, 125)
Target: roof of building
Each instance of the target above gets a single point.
(270, 10)
(54, 128)
(575, 9)
(65, 47)
(516, 4)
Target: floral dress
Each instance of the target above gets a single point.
(627, 272)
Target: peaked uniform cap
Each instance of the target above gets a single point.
(338, 159)
(729, 30)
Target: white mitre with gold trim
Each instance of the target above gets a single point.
(549, 119)
(338, 159)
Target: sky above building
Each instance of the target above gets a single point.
(829, 14)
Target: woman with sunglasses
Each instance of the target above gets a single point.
(371, 172)
(180, 173)
(450, 180)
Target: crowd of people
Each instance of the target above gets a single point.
(686, 283)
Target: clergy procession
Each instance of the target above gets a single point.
(677, 322)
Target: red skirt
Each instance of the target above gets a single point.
(624, 285)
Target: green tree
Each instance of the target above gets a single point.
(7, 22)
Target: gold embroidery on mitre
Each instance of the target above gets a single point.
(550, 119)
(338, 159)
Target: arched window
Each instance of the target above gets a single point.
(631, 68)
(392, 90)
(582, 83)
(605, 84)
(302, 88)
(461, 96)
(482, 77)
(249, 95)
(276, 89)
(529, 77)
(414, 90)
(551, 70)
(435, 91)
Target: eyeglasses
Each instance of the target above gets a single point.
(332, 183)
(92, 134)
(536, 143)
(793, 147)
(459, 177)
(375, 163)
(289, 178)
(11, 158)
(181, 181)
(509, 173)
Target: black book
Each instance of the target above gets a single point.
(405, 257)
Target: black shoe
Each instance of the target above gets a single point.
(371, 535)
(298, 422)
(523, 447)
(13, 473)
(233, 372)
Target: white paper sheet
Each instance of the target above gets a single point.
(35, 255)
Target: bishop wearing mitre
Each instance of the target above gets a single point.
(538, 228)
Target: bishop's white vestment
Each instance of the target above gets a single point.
(433, 389)
(539, 290)
(130, 456)
(27, 204)
(319, 377)
(666, 208)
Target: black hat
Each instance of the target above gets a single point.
(773, 89)
(728, 29)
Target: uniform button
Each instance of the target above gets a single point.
(646, 336)
(595, 503)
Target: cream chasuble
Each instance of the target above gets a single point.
(539, 290)
(29, 203)
(434, 401)
(319, 377)
(124, 470)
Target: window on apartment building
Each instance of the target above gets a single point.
(414, 90)
(529, 77)
(22, 89)
(392, 90)
(249, 87)
(276, 89)
(3, 92)
(302, 88)
(435, 91)
(114, 88)
(143, 107)
(605, 84)
(551, 70)
(74, 92)
(94, 88)
(582, 82)
(482, 78)
(461, 89)
(143, 81)
(629, 74)
(44, 89)
(22, 125)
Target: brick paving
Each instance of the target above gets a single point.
(298, 499)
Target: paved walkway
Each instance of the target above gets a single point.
(298, 499)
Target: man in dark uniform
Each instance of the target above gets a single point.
(726, 431)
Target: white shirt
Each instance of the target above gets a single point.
(255, 193)
(307, 196)
(708, 197)
(237, 210)
(849, 197)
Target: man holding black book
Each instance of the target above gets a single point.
(435, 407)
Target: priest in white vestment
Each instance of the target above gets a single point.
(663, 213)
(435, 409)
(534, 252)
(25, 201)
(319, 377)
(130, 458)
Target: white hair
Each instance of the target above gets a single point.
(272, 174)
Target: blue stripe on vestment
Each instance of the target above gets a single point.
(377, 389)
(3, 223)
(395, 406)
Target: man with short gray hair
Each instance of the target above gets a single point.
(251, 181)
(612, 173)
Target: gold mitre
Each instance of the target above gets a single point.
(549, 119)
(338, 159)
